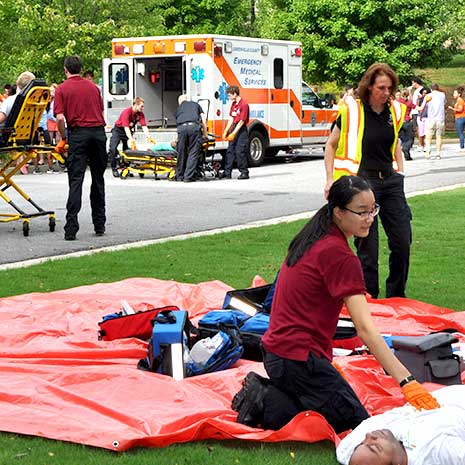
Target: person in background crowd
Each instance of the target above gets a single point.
(435, 102)
(23, 80)
(417, 86)
(79, 109)
(406, 133)
(459, 115)
(51, 120)
(365, 141)
(320, 272)
(191, 124)
(123, 131)
(237, 135)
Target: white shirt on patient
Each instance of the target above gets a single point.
(430, 437)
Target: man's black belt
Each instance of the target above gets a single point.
(189, 123)
(376, 174)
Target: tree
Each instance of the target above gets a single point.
(342, 38)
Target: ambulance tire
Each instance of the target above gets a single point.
(257, 148)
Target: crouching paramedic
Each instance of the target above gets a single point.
(318, 276)
(123, 131)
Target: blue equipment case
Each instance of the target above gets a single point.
(168, 338)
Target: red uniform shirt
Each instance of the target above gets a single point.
(240, 111)
(128, 119)
(80, 101)
(309, 298)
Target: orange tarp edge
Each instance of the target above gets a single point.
(58, 381)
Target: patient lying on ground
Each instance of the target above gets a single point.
(407, 436)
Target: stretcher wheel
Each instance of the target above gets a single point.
(141, 175)
(51, 224)
(25, 228)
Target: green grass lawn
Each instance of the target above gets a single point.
(436, 276)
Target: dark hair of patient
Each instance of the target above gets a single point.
(340, 195)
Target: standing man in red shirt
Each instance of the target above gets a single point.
(123, 131)
(79, 106)
(237, 135)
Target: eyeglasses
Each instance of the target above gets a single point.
(366, 214)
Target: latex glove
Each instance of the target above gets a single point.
(151, 140)
(230, 137)
(61, 147)
(417, 396)
(132, 144)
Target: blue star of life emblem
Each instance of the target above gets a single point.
(222, 94)
(197, 74)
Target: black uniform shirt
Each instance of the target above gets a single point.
(377, 140)
(188, 112)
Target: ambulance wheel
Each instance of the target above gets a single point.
(141, 175)
(51, 224)
(25, 228)
(257, 147)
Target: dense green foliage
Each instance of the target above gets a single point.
(340, 38)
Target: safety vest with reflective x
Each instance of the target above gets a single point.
(349, 149)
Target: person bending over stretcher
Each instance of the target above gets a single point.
(407, 436)
(319, 274)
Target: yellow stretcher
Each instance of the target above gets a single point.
(17, 149)
(162, 162)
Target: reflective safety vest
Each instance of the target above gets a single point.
(349, 149)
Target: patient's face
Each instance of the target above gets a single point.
(379, 448)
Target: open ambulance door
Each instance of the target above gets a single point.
(118, 87)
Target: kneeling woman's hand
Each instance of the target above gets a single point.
(417, 396)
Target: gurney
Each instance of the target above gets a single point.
(163, 162)
(17, 149)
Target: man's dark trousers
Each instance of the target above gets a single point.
(238, 149)
(117, 135)
(189, 148)
(395, 217)
(86, 146)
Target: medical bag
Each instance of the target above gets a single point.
(168, 344)
(118, 325)
(251, 300)
(429, 358)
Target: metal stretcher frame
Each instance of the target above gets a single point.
(18, 137)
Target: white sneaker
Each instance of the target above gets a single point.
(427, 154)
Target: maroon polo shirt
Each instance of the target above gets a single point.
(80, 101)
(129, 118)
(309, 297)
(240, 111)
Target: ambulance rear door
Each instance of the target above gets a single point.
(118, 87)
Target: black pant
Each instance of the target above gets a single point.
(189, 147)
(406, 135)
(312, 385)
(86, 147)
(238, 150)
(395, 217)
(117, 135)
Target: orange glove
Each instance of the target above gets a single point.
(225, 135)
(417, 396)
(132, 144)
(230, 137)
(61, 147)
(151, 140)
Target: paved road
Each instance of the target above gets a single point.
(145, 209)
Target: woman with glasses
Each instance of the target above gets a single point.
(365, 141)
(318, 276)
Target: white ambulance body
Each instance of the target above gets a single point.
(284, 112)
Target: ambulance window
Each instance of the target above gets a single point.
(119, 79)
(278, 73)
(308, 96)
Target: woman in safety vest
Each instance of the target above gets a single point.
(365, 141)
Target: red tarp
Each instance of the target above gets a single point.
(58, 381)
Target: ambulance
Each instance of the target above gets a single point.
(285, 113)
